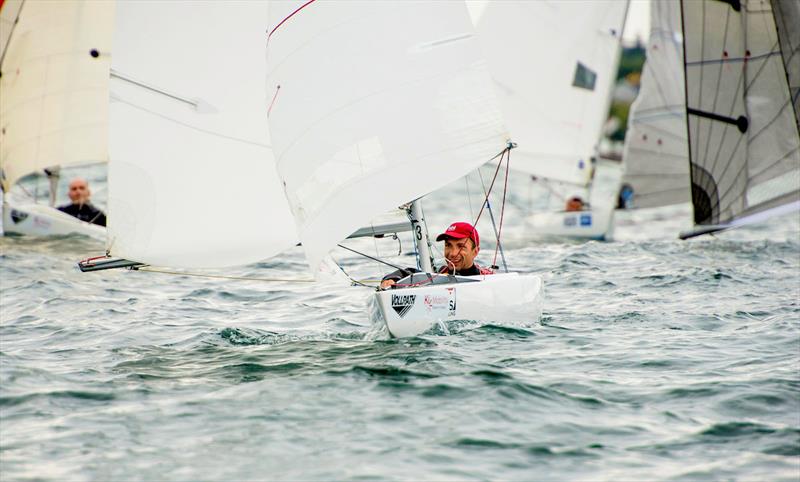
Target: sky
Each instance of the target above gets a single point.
(638, 22)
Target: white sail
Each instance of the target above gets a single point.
(9, 12)
(744, 144)
(54, 85)
(554, 65)
(192, 181)
(373, 104)
(787, 22)
(656, 157)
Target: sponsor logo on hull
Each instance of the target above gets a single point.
(402, 303)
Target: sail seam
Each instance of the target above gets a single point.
(195, 128)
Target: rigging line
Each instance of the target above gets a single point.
(748, 206)
(486, 200)
(744, 166)
(371, 257)
(212, 276)
(700, 90)
(787, 61)
(764, 64)
(660, 89)
(719, 78)
(776, 161)
(546, 183)
(499, 246)
(719, 179)
(772, 121)
(739, 83)
(671, 108)
(353, 280)
(654, 193)
(410, 217)
(11, 33)
(656, 174)
(662, 130)
(734, 60)
(486, 203)
(184, 124)
(469, 198)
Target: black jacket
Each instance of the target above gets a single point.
(85, 212)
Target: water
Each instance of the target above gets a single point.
(655, 359)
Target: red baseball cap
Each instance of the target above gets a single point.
(461, 231)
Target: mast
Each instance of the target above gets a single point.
(421, 238)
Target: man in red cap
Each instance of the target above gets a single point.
(461, 246)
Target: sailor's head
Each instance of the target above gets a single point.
(79, 192)
(461, 245)
(575, 203)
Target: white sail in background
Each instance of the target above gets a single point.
(54, 85)
(192, 182)
(656, 157)
(373, 104)
(554, 65)
(744, 144)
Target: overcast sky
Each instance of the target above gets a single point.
(638, 22)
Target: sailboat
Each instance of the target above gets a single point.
(378, 125)
(655, 153)
(555, 95)
(54, 88)
(718, 119)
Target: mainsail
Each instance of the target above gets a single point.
(744, 146)
(372, 105)
(192, 181)
(655, 157)
(554, 65)
(54, 85)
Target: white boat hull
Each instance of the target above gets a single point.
(594, 224)
(499, 298)
(42, 220)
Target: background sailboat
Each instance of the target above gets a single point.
(717, 117)
(54, 110)
(742, 72)
(555, 95)
(656, 163)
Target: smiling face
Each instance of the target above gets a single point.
(460, 253)
(79, 191)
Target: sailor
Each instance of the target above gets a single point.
(575, 203)
(80, 207)
(461, 246)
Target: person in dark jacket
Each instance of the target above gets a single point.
(80, 207)
(461, 246)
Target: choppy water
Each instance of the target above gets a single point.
(655, 359)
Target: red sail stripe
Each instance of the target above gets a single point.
(284, 20)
